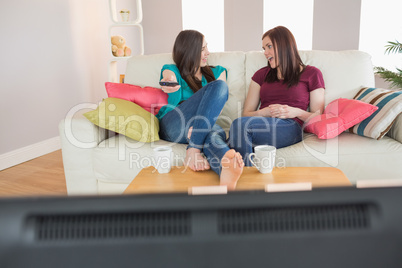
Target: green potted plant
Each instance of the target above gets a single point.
(395, 78)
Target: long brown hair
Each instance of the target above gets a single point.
(288, 60)
(187, 56)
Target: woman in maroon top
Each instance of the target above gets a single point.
(285, 88)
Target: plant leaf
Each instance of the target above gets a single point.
(393, 47)
(394, 78)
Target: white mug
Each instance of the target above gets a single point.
(163, 159)
(264, 156)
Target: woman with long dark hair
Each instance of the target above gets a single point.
(278, 97)
(194, 106)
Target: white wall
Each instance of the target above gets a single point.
(51, 60)
(37, 71)
(243, 25)
(162, 23)
(336, 24)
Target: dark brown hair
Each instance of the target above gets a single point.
(288, 58)
(187, 55)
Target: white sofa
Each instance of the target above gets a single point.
(99, 162)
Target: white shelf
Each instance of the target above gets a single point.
(139, 26)
(113, 11)
(125, 24)
(114, 58)
(113, 72)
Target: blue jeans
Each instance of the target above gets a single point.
(200, 111)
(248, 132)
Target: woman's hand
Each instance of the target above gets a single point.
(283, 111)
(265, 112)
(169, 78)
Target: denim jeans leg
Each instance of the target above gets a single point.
(248, 132)
(215, 147)
(214, 96)
(200, 111)
(172, 127)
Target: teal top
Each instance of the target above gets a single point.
(184, 91)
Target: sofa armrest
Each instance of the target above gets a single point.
(396, 130)
(78, 138)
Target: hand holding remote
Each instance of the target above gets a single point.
(169, 85)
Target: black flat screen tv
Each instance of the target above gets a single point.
(338, 227)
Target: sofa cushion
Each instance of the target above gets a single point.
(119, 159)
(126, 118)
(378, 124)
(338, 116)
(360, 158)
(149, 98)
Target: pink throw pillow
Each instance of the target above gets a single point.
(149, 98)
(339, 115)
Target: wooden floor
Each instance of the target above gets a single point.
(42, 176)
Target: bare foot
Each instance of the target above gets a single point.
(232, 167)
(195, 160)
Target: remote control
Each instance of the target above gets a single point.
(168, 84)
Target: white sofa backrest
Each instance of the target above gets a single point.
(345, 72)
(234, 63)
(145, 71)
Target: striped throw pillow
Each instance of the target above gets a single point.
(389, 103)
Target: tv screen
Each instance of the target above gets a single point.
(338, 227)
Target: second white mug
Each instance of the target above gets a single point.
(162, 158)
(264, 158)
